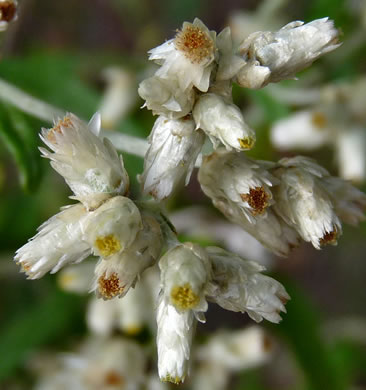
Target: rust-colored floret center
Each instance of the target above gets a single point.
(108, 245)
(195, 44)
(113, 378)
(329, 237)
(183, 297)
(257, 199)
(8, 11)
(319, 120)
(110, 287)
(62, 123)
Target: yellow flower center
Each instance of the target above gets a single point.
(108, 245)
(319, 120)
(195, 44)
(246, 143)
(183, 297)
(173, 379)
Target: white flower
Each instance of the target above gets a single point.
(351, 153)
(57, 243)
(164, 97)
(8, 13)
(304, 130)
(238, 285)
(223, 121)
(304, 203)
(119, 97)
(349, 202)
(91, 166)
(174, 339)
(237, 350)
(174, 147)
(285, 52)
(112, 227)
(189, 57)
(244, 184)
(116, 275)
(185, 272)
(229, 62)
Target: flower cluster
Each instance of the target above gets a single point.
(191, 91)
(129, 237)
(277, 203)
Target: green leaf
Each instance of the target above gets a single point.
(20, 141)
(44, 322)
(300, 327)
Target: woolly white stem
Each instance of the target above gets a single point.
(47, 112)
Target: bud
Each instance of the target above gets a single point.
(173, 151)
(185, 271)
(164, 97)
(90, 166)
(304, 203)
(57, 243)
(189, 57)
(112, 227)
(238, 285)
(174, 340)
(115, 276)
(244, 184)
(223, 121)
(276, 56)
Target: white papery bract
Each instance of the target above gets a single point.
(57, 243)
(112, 227)
(116, 275)
(164, 97)
(91, 166)
(189, 57)
(229, 62)
(276, 56)
(240, 182)
(222, 121)
(304, 130)
(349, 202)
(174, 339)
(173, 151)
(238, 285)
(185, 272)
(8, 13)
(304, 203)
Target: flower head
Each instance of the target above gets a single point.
(8, 13)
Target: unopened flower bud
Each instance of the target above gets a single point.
(173, 151)
(223, 122)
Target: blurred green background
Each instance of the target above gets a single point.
(56, 51)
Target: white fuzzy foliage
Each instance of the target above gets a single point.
(173, 151)
(57, 243)
(238, 285)
(280, 55)
(223, 122)
(91, 166)
(174, 339)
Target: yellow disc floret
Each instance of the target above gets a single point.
(108, 245)
(183, 297)
(246, 143)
